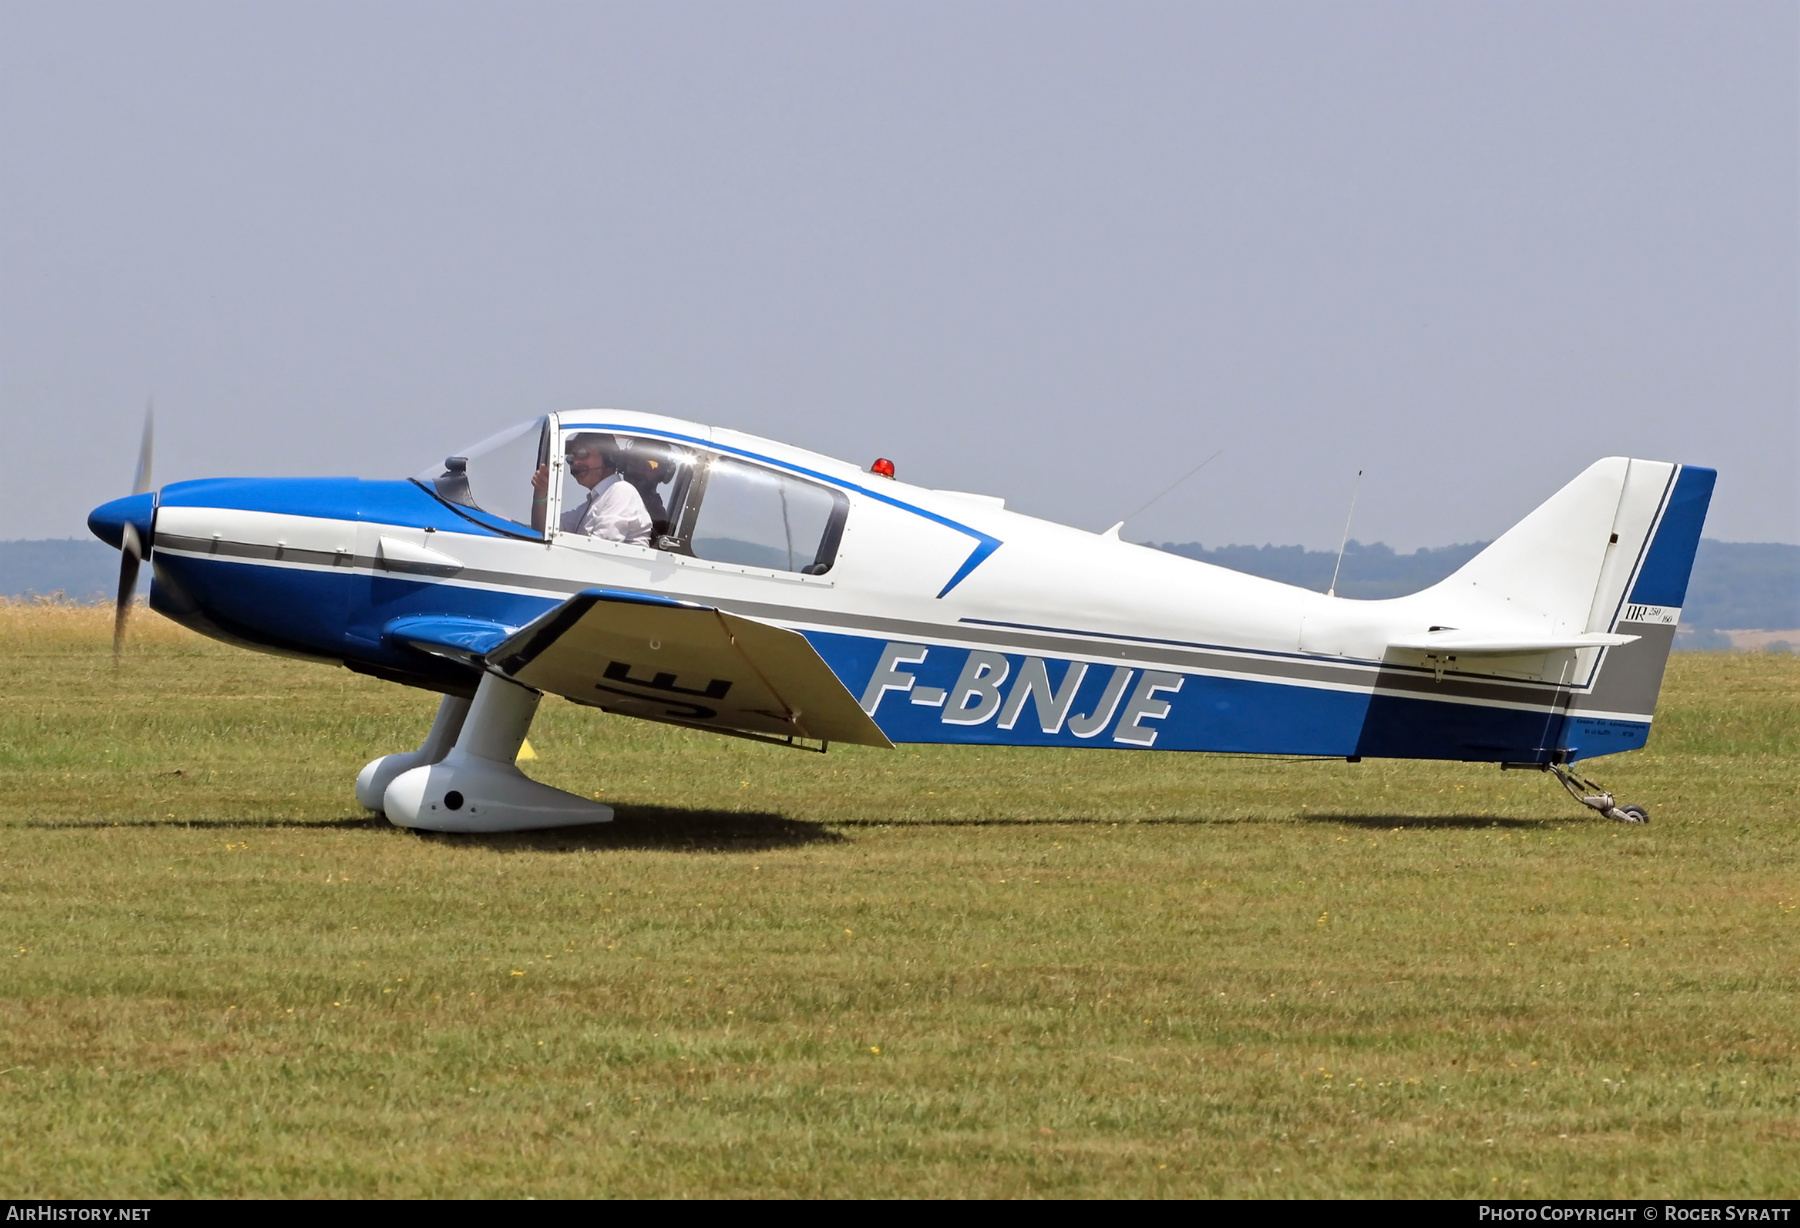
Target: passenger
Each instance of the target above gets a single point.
(646, 473)
(613, 510)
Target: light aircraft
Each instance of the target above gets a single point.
(787, 597)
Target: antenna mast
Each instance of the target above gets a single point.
(1345, 541)
(1171, 486)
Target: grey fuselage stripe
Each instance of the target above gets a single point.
(314, 558)
(1634, 673)
(1351, 674)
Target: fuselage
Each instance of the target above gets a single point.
(951, 618)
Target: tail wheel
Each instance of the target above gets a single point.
(1635, 814)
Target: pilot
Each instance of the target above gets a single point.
(613, 510)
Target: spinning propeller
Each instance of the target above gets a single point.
(133, 545)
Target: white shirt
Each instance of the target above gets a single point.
(613, 512)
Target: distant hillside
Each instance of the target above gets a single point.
(82, 569)
(1736, 585)
(1744, 584)
(1369, 572)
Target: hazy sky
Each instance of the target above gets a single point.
(1056, 252)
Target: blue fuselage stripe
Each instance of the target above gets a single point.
(1202, 712)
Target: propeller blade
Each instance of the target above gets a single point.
(131, 554)
(146, 447)
(131, 546)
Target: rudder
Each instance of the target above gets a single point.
(1643, 583)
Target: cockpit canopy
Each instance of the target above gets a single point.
(695, 502)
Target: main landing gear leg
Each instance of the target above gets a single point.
(372, 782)
(476, 787)
(1597, 798)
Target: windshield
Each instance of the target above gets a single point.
(495, 475)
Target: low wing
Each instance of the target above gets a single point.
(686, 664)
(1475, 644)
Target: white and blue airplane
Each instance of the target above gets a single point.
(787, 597)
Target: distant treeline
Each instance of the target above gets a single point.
(1369, 572)
(1744, 585)
(1736, 585)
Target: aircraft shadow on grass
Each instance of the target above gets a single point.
(1380, 822)
(676, 829)
(270, 824)
(634, 827)
(660, 827)
(1045, 822)
(1388, 822)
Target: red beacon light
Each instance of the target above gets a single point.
(882, 468)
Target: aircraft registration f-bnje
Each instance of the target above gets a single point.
(782, 595)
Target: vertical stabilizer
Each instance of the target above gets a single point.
(1641, 592)
(1541, 576)
(1610, 552)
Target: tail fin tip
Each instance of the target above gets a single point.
(1669, 562)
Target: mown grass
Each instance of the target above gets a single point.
(937, 971)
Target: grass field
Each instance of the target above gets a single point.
(935, 971)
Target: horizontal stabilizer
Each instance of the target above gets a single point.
(1477, 645)
(685, 664)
